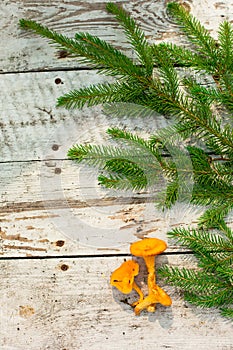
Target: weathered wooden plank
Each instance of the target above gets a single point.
(31, 127)
(69, 304)
(41, 206)
(24, 51)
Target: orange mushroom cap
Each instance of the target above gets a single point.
(148, 247)
(123, 277)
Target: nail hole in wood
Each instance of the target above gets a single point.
(55, 147)
(57, 170)
(64, 267)
(58, 81)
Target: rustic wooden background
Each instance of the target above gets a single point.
(61, 235)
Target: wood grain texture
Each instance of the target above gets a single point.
(30, 123)
(40, 206)
(24, 51)
(32, 128)
(68, 304)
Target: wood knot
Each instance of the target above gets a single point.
(60, 243)
(26, 311)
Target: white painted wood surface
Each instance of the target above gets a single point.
(68, 304)
(53, 209)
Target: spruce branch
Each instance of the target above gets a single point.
(99, 93)
(113, 61)
(210, 285)
(88, 49)
(201, 239)
(225, 39)
(202, 288)
(227, 312)
(191, 280)
(213, 217)
(137, 161)
(59, 40)
(196, 32)
(181, 57)
(123, 174)
(135, 35)
(211, 300)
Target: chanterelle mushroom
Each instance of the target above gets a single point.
(148, 248)
(123, 278)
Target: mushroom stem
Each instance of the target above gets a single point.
(150, 264)
(146, 303)
(151, 279)
(138, 290)
(141, 295)
(151, 308)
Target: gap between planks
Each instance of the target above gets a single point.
(87, 256)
